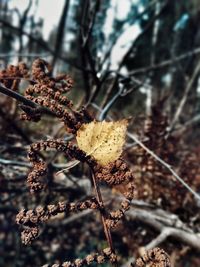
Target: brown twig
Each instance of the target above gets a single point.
(23, 100)
(100, 200)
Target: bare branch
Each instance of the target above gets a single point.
(194, 120)
(34, 55)
(166, 165)
(184, 98)
(110, 103)
(166, 63)
(14, 163)
(23, 100)
(165, 233)
(151, 218)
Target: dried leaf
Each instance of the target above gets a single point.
(103, 140)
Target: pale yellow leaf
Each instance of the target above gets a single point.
(103, 140)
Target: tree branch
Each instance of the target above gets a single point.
(166, 63)
(23, 100)
(152, 219)
(184, 98)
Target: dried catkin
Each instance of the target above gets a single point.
(154, 258)
(35, 180)
(31, 219)
(29, 234)
(42, 214)
(12, 75)
(117, 174)
(47, 91)
(104, 256)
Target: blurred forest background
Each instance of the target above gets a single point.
(135, 59)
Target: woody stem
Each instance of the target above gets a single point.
(27, 102)
(102, 211)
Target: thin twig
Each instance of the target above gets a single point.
(14, 163)
(122, 92)
(36, 55)
(194, 120)
(23, 100)
(107, 107)
(166, 165)
(62, 166)
(184, 98)
(18, 97)
(100, 200)
(166, 63)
